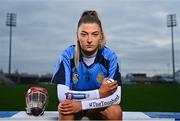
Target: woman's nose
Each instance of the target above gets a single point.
(89, 39)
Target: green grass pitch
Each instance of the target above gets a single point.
(136, 97)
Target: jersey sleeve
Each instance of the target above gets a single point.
(114, 70)
(62, 70)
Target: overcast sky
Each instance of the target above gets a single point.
(135, 29)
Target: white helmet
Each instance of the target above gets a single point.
(36, 100)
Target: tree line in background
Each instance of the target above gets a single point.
(130, 78)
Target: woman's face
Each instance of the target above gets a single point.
(89, 36)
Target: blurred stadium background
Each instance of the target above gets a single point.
(150, 96)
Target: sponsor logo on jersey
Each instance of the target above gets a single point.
(75, 77)
(100, 78)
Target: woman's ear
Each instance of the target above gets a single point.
(102, 36)
(77, 36)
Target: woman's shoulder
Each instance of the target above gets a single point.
(69, 51)
(70, 48)
(107, 52)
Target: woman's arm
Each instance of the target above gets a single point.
(64, 93)
(74, 106)
(115, 98)
(105, 90)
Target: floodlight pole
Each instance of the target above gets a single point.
(171, 22)
(11, 22)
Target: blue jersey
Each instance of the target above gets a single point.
(86, 77)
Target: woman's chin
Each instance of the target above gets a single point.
(89, 51)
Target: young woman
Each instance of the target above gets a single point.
(87, 75)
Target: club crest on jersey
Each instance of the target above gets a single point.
(100, 78)
(75, 77)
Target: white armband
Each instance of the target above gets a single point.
(115, 98)
(63, 91)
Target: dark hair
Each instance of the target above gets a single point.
(90, 16)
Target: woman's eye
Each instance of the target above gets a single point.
(95, 35)
(83, 34)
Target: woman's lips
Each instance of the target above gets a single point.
(89, 46)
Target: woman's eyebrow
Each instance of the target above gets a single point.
(92, 32)
(84, 32)
(95, 32)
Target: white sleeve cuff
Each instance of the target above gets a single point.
(115, 98)
(97, 94)
(63, 89)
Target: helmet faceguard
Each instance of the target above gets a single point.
(36, 100)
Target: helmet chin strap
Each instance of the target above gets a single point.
(36, 108)
(36, 111)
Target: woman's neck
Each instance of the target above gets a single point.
(89, 54)
(89, 59)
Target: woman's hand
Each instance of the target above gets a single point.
(107, 89)
(69, 107)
